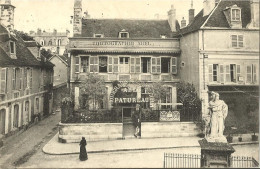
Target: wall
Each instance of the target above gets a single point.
(59, 92)
(189, 45)
(168, 129)
(60, 71)
(91, 131)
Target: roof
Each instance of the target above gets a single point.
(136, 28)
(23, 55)
(63, 58)
(32, 44)
(217, 18)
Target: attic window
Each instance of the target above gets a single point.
(12, 47)
(98, 35)
(123, 34)
(235, 14)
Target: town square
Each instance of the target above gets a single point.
(129, 84)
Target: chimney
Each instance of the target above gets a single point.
(254, 7)
(86, 15)
(172, 18)
(39, 31)
(183, 22)
(208, 6)
(77, 19)
(7, 16)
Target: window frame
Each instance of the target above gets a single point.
(80, 63)
(12, 44)
(123, 32)
(235, 18)
(148, 64)
(104, 56)
(237, 41)
(169, 64)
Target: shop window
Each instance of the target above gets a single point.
(84, 64)
(237, 41)
(146, 65)
(166, 101)
(165, 65)
(103, 64)
(144, 95)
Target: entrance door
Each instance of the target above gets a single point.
(2, 121)
(129, 122)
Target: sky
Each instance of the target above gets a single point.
(56, 14)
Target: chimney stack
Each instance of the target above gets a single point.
(254, 6)
(183, 22)
(172, 18)
(7, 16)
(77, 19)
(208, 6)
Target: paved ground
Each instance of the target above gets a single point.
(19, 148)
(122, 159)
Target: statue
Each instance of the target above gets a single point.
(218, 112)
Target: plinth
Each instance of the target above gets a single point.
(215, 154)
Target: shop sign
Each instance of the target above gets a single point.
(131, 100)
(169, 116)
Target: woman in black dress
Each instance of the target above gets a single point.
(83, 152)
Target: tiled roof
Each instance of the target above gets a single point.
(136, 28)
(32, 44)
(23, 55)
(218, 18)
(63, 58)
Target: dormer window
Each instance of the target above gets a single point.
(123, 34)
(98, 35)
(12, 47)
(236, 14)
(42, 43)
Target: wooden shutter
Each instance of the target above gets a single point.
(227, 72)
(210, 73)
(158, 60)
(96, 64)
(249, 73)
(110, 64)
(137, 65)
(234, 40)
(174, 65)
(238, 71)
(240, 41)
(116, 64)
(31, 77)
(21, 79)
(154, 65)
(76, 64)
(25, 78)
(221, 73)
(3, 80)
(132, 65)
(254, 73)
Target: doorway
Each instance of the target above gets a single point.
(2, 121)
(129, 122)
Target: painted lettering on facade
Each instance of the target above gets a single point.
(122, 43)
(131, 100)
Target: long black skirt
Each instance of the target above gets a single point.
(83, 153)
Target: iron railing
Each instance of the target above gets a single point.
(172, 160)
(243, 162)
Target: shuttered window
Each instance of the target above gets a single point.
(221, 73)
(154, 65)
(137, 65)
(76, 64)
(25, 78)
(215, 73)
(238, 72)
(116, 60)
(93, 64)
(158, 60)
(228, 78)
(249, 73)
(31, 77)
(20, 78)
(3, 80)
(210, 73)
(174, 65)
(254, 74)
(237, 41)
(132, 65)
(110, 64)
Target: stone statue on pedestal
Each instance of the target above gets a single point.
(218, 113)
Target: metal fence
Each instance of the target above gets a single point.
(243, 162)
(172, 160)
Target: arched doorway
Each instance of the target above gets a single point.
(16, 116)
(2, 121)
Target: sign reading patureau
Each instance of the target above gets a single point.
(170, 116)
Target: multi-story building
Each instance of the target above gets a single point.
(220, 52)
(55, 42)
(26, 80)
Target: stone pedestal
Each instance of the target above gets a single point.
(215, 154)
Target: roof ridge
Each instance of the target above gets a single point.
(203, 25)
(139, 19)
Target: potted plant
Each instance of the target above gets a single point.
(253, 127)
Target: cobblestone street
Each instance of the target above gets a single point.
(20, 147)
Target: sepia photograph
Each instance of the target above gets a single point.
(129, 84)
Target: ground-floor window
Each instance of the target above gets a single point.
(167, 99)
(2, 121)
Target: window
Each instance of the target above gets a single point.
(251, 76)
(123, 34)
(50, 43)
(165, 65)
(76, 64)
(215, 72)
(59, 42)
(167, 100)
(12, 47)
(124, 64)
(146, 65)
(84, 64)
(236, 15)
(102, 64)
(233, 72)
(237, 41)
(156, 65)
(144, 96)
(93, 64)
(98, 35)
(3, 80)
(42, 43)
(16, 79)
(37, 105)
